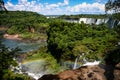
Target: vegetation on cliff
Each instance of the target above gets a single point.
(6, 60)
(68, 40)
(22, 22)
(96, 16)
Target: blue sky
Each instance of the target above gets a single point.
(57, 7)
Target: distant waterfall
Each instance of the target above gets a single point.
(96, 21)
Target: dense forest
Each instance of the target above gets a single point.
(29, 25)
(68, 40)
(22, 21)
(97, 16)
(6, 60)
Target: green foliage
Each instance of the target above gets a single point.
(22, 21)
(11, 76)
(6, 60)
(116, 16)
(113, 56)
(41, 54)
(112, 5)
(33, 36)
(68, 40)
(82, 16)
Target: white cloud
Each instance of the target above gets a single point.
(25, 6)
(57, 8)
(66, 2)
(87, 8)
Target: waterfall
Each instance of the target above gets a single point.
(75, 64)
(118, 23)
(100, 21)
(85, 62)
(91, 21)
(82, 20)
(111, 22)
(106, 20)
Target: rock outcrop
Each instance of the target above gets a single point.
(106, 72)
(13, 37)
(82, 73)
(117, 72)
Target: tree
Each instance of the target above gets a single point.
(66, 41)
(113, 5)
(2, 7)
(6, 60)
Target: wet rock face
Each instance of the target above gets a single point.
(82, 73)
(117, 72)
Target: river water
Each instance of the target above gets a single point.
(23, 46)
(34, 68)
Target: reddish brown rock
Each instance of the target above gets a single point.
(13, 37)
(82, 73)
(117, 72)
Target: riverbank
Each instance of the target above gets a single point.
(13, 37)
(26, 37)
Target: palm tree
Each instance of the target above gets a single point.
(2, 7)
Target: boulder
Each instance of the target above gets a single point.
(117, 72)
(82, 73)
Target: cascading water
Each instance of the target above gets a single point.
(75, 64)
(106, 20)
(118, 23)
(95, 21)
(82, 20)
(91, 21)
(35, 69)
(113, 23)
(91, 63)
(84, 61)
(100, 21)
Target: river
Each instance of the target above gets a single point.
(34, 68)
(22, 45)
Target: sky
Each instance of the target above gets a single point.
(57, 7)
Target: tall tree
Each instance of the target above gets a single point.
(113, 5)
(2, 7)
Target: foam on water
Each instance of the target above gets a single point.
(91, 63)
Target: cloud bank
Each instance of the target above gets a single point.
(56, 8)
